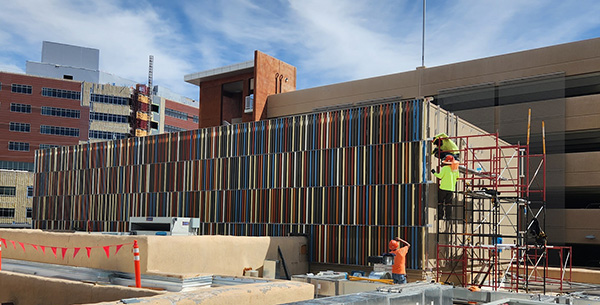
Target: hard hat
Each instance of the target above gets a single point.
(449, 159)
(393, 245)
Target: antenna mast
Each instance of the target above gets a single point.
(150, 89)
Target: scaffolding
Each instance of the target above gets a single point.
(493, 234)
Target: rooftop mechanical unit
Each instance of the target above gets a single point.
(163, 226)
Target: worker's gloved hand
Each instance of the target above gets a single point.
(433, 170)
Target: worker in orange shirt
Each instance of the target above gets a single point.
(399, 267)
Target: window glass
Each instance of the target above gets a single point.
(15, 107)
(7, 190)
(18, 88)
(18, 146)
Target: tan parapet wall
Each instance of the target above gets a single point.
(168, 255)
(278, 292)
(121, 261)
(24, 289)
(224, 255)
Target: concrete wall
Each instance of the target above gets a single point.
(572, 225)
(583, 169)
(573, 58)
(582, 112)
(223, 255)
(22, 289)
(251, 294)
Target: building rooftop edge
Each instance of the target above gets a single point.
(198, 77)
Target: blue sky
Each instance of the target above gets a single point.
(329, 41)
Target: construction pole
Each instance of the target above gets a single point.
(529, 125)
(0, 255)
(136, 262)
(544, 200)
(423, 38)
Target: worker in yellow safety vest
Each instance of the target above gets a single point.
(448, 176)
(444, 146)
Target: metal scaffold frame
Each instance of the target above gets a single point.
(493, 233)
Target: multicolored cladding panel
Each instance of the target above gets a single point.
(350, 179)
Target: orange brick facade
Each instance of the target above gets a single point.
(271, 76)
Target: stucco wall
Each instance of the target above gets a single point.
(223, 255)
(22, 289)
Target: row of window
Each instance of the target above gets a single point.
(18, 88)
(169, 128)
(51, 92)
(61, 93)
(61, 112)
(11, 191)
(20, 127)
(180, 115)
(59, 130)
(176, 114)
(46, 146)
(16, 165)
(7, 190)
(106, 117)
(10, 213)
(18, 146)
(107, 135)
(45, 129)
(7, 212)
(16, 107)
(24, 146)
(109, 99)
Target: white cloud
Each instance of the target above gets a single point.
(125, 35)
(10, 68)
(327, 40)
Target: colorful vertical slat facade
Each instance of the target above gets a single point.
(349, 179)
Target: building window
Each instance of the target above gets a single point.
(20, 127)
(18, 146)
(60, 131)
(8, 190)
(107, 117)
(30, 191)
(61, 93)
(107, 135)
(16, 165)
(46, 146)
(109, 99)
(196, 119)
(18, 88)
(7, 212)
(66, 76)
(176, 114)
(61, 112)
(15, 107)
(29, 213)
(169, 128)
